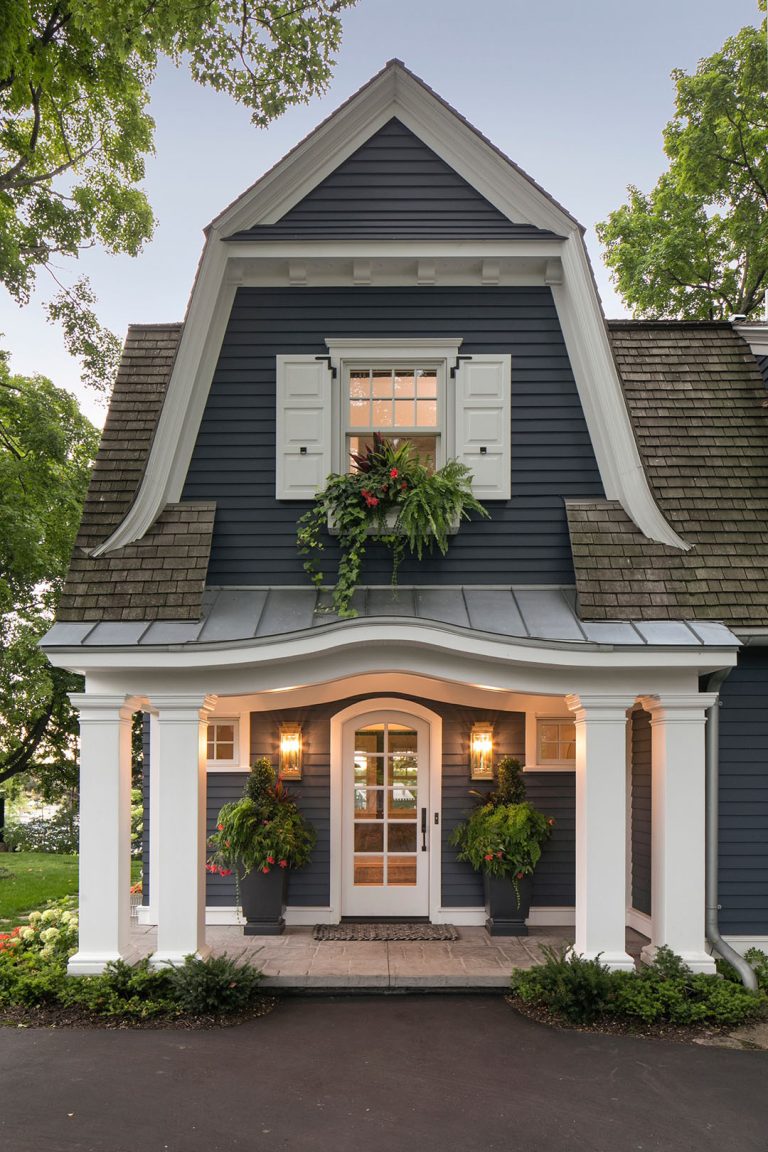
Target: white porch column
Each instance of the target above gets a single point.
(178, 884)
(678, 826)
(105, 831)
(601, 758)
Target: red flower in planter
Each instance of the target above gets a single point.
(489, 856)
(393, 473)
(265, 869)
(283, 863)
(220, 827)
(225, 871)
(550, 821)
(520, 876)
(270, 859)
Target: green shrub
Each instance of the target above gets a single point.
(215, 986)
(759, 961)
(133, 992)
(665, 992)
(579, 990)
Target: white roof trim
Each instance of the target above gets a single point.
(394, 92)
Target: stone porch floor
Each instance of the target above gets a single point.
(294, 960)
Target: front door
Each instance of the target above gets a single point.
(385, 805)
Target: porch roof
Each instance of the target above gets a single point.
(533, 614)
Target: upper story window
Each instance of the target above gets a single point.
(403, 403)
(426, 390)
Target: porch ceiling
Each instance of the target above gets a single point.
(547, 615)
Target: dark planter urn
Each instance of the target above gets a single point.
(263, 899)
(505, 916)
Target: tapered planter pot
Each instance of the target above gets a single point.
(263, 900)
(505, 916)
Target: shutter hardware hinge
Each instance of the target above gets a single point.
(331, 368)
(457, 365)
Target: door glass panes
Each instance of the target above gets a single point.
(385, 781)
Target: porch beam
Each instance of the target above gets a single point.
(178, 884)
(601, 756)
(678, 806)
(105, 831)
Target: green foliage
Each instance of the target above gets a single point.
(263, 830)
(575, 989)
(75, 77)
(57, 834)
(666, 992)
(392, 499)
(31, 880)
(214, 986)
(502, 839)
(759, 961)
(510, 787)
(696, 247)
(123, 991)
(46, 451)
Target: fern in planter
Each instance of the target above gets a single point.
(390, 499)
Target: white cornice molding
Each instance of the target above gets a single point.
(395, 92)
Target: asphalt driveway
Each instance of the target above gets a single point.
(376, 1074)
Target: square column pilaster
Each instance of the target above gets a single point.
(105, 831)
(601, 848)
(178, 885)
(147, 913)
(678, 810)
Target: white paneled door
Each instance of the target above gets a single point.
(385, 815)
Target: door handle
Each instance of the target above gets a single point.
(423, 829)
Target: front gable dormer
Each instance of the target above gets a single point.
(263, 241)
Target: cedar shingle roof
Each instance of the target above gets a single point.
(161, 576)
(695, 396)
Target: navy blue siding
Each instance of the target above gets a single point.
(393, 186)
(743, 879)
(525, 541)
(641, 811)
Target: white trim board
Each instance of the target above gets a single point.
(394, 92)
(305, 916)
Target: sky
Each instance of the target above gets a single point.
(576, 92)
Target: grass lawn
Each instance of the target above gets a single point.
(30, 879)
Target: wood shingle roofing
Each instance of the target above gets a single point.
(696, 400)
(161, 576)
(695, 397)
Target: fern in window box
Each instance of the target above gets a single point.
(391, 498)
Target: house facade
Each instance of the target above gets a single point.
(396, 273)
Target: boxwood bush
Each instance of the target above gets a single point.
(666, 992)
(33, 974)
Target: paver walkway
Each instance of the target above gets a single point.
(296, 960)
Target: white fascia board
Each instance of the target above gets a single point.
(756, 335)
(339, 248)
(602, 398)
(387, 641)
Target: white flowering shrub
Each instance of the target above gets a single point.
(51, 934)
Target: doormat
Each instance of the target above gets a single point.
(385, 932)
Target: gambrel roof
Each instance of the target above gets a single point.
(697, 403)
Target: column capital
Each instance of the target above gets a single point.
(600, 708)
(181, 707)
(678, 707)
(101, 709)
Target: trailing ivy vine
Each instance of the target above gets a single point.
(392, 499)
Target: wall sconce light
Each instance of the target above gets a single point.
(481, 752)
(290, 752)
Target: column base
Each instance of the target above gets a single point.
(172, 958)
(697, 961)
(616, 961)
(94, 963)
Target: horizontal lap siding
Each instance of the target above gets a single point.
(553, 792)
(641, 811)
(221, 891)
(233, 463)
(393, 186)
(743, 874)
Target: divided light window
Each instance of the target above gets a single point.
(556, 742)
(402, 403)
(222, 741)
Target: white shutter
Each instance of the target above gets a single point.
(483, 433)
(303, 426)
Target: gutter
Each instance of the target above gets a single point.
(712, 770)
